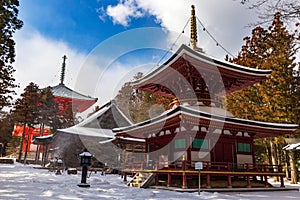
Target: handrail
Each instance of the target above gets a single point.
(211, 166)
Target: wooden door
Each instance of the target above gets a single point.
(223, 152)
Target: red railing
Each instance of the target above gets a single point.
(209, 166)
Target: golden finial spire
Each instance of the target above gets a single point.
(193, 29)
(193, 39)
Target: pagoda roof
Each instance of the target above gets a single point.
(101, 123)
(234, 76)
(43, 140)
(63, 91)
(292, 147)
(197, 116)
(66, 96)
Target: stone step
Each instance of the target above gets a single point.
(6, 161)
(140, 179)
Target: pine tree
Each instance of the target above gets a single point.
(48, 110)
(6, 128)
(139, 105)
(272, 100)
(26, 111)
(9, 23)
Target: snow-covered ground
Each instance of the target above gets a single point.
(19, 181)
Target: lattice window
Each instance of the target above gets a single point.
(180, 143)
(200, 143)
(244, 147)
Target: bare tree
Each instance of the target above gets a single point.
(289, 9)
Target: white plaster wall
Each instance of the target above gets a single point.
(200, 156)
(242, 159)
(178, 155)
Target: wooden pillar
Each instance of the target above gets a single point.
(281, 182)
(125, 177)
(189, 156)
(44, 155)
(169, 180)
(229, 181)
(184, 184)
(208, 181)
(248, 182)
(266, 181)
(252, 151)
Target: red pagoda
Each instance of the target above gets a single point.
(66, 97)
(197, 129)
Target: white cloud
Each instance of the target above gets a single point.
(225, 20)
(39, 60)
(123, 12)
(98, 74)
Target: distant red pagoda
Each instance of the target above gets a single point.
(66, 97)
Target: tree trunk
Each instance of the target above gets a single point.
(293, 167)
(287, 171)
(21, 144)
(27, 145)
(267, 151)
(37, 154)
(279, 154)
(274, 159)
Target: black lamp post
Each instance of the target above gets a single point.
(85, 161)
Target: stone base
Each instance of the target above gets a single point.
(6, 161)
(83, 185)
(72, 171)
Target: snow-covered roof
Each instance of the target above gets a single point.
(225, 118)
(91, 132)
(292, 147)
(43, 139)
(118, 115)
(208, 63)
(63, 91)
(101, 123)
(132, 139)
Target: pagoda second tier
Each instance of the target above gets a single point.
(190, 74)
(65, 97)
(194, 118)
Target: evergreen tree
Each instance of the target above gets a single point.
(64, 119)
(272, 100)
(26, 111)
(48, 108)
(9, 23)
(139, 105)
(6, 129)
(47, 112)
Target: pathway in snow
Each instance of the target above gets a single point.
(19, 181)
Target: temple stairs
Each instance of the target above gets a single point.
(142, 180)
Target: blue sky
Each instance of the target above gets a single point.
(106, 42)
(77, 22)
